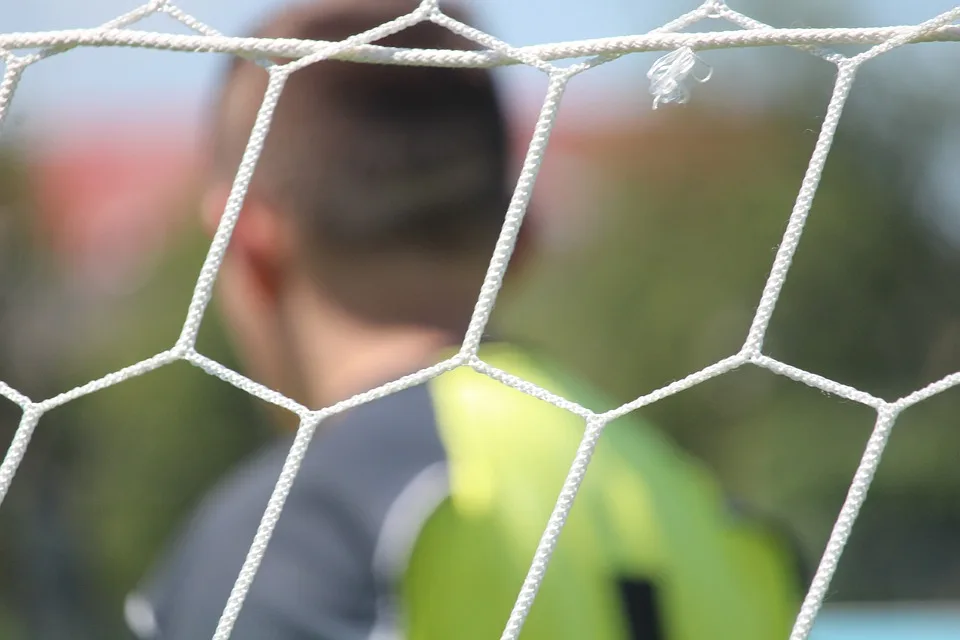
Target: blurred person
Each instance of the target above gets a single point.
(357, 258)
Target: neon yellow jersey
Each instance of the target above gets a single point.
(649, 550)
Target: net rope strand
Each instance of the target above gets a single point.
(291, 48)
(672, 79)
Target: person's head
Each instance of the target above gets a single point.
(376, 201)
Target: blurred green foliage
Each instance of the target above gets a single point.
(690, 227)
(690, 211)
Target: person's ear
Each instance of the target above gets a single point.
(260, 238)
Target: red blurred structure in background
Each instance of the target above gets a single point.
(110, 194)
(107, 195)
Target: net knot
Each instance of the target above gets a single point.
(714, 8)
(670, 74)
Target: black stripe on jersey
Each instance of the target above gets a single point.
(642, 609)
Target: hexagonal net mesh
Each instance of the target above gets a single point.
(670, 81)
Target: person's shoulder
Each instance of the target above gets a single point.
(495, 430)
(542, 398)
(394, 434)
(357, 461)
(511, 383)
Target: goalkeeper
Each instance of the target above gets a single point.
(358, 258)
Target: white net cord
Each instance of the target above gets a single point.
(672, 80)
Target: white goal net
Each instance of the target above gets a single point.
(671, 80)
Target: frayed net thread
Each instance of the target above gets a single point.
(670, 75)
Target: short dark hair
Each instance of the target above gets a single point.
(369, 157)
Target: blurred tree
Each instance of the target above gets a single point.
(153, 444)
(41, 582)
(693, 206)
(109, 475)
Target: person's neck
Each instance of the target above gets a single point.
(340, 356)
